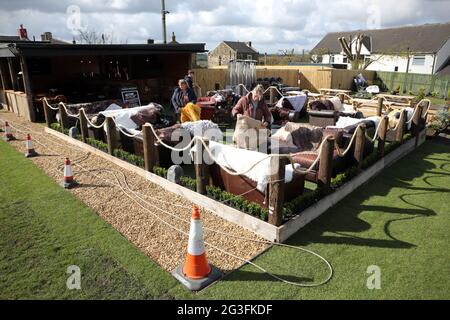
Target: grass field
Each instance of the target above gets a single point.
(400, 222)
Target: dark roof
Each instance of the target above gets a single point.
(9, 38)
(428, 38)
(240, 47)
(38, 48)
(445, 70)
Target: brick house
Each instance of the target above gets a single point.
(228, 50)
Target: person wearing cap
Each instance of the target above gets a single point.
(253, 105)
(190, 79)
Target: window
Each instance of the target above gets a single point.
(331, 58)
(418, 60)
(345, 59)
(249, 57)
(220, 60)
(396, 68)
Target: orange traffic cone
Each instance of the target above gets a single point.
(8, 132)
(30, 150)
(196, 273)
(68, 182)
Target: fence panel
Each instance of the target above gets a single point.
(414, 82)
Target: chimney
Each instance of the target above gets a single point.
(174, 38)
(249, 44)
(46, 36)
(23, 34)
(150, 41)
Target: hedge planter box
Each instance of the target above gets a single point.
(254, 224)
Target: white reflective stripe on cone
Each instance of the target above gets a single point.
(68, 171)
(8, 130)
(29, 144)
(196, 246)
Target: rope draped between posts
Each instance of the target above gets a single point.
(134, 197)
(276, 89)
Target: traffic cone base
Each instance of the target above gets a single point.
(31, 153)
(68, 182)
(30, 150)
(197, 284)
(196, 273)
(8, 134)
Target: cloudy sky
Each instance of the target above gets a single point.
(271, 25)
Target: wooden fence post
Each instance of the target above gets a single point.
(342, 97)
(325, 165)
(48, 114)
(201, 172)
(83, 125)
(416, 123)
(64, 118)
(272, 95)
(380, 107)
(150, 148)
(359, 145)
(401, 127)
(276, 190)
(382, 134)
(111, 134)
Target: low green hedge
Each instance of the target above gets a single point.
(128, 157)
(57, 127)
(97, 144)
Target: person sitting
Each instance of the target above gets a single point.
(253, 105)
(182, 96)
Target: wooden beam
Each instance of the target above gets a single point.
(64, 118)
(271, 95)
(401, 126)
(48, 113)
(276, 190)
(151, 155)
(342, 97)
(380, 107)
(382, 135)
(12, 74)
(83, 125)
(111, 135)
(359, 145)
(27, 88)
(201, 171)
(325, 165)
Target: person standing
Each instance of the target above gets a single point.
(190, 79)
(253, 105)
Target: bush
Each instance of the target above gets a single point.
(129, 157)
(57, 127)
(97, 144)
(189, 183)
(159, 171)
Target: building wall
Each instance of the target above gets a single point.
(388, 63)
(222, 54)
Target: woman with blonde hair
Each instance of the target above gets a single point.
(253, 105)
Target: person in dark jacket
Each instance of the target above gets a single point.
(182, 96)
(190, 79)
(253, 105)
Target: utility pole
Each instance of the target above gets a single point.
(163, 13)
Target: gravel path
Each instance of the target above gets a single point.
(161, 243)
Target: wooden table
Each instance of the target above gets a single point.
(404, 101)
(325, 91)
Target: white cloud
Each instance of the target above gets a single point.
(270, 24)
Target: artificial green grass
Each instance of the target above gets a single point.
(399, 222)
(44, 229)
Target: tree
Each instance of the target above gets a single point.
(92, 37)
(355, 59)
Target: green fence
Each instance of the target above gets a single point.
(414, 82)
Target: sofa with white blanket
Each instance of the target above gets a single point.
(253, 183)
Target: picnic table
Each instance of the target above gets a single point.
(327, 91)
(405, 101)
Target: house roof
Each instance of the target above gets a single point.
(428, 38)
(240, 47)
(40, 48)
(4, 39)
